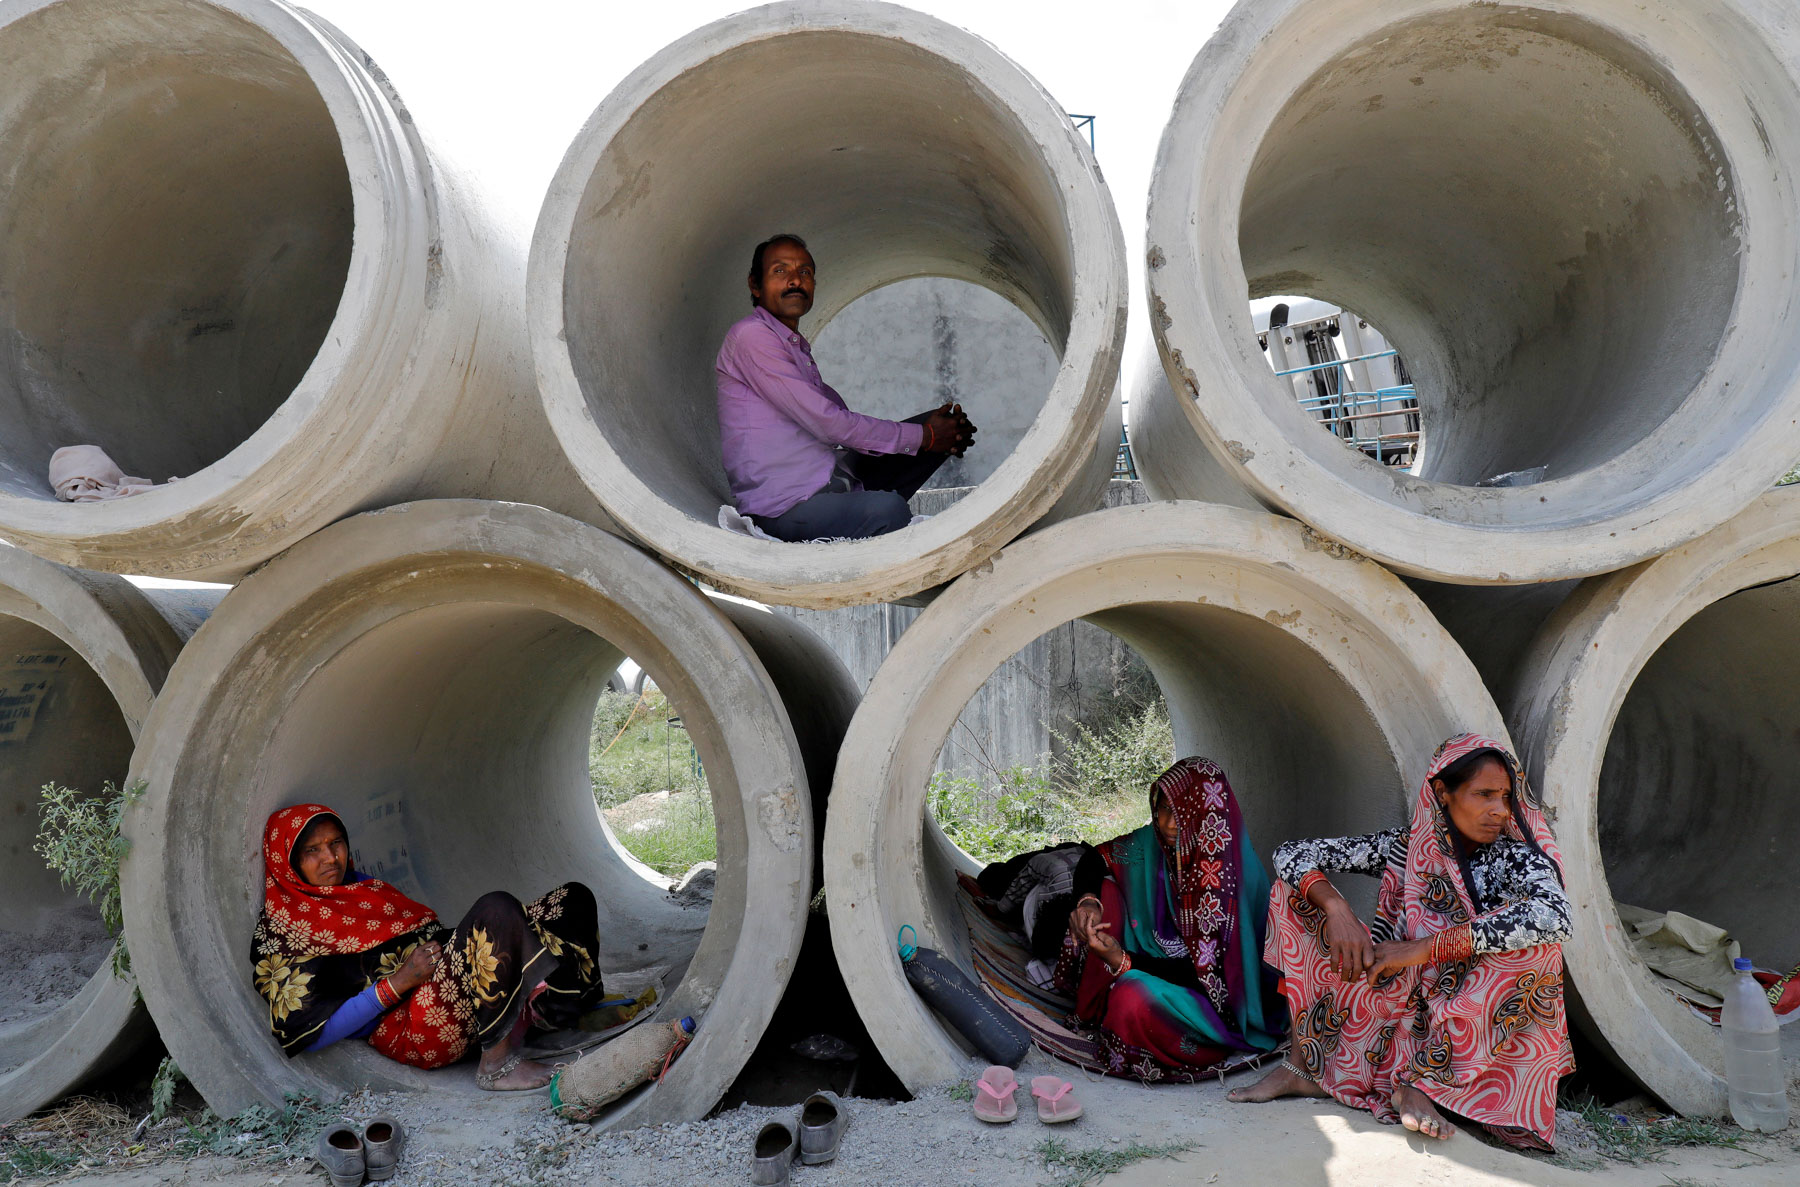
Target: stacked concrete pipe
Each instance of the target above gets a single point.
(227, 255)
(104, 648)
(1657, 712)
(431, 672)
(1573, 218)
(913, 149)
(1312, 675)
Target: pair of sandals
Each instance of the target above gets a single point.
(349, 1153)
(995, 1103)
(812, 1139)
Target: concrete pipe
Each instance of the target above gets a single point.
(1573, 218)
(81, 658)
(914, 149)
(432, 671)
(307, 314)
(1311, 674)
(1657, 708)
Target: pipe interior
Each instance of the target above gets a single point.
(1304, 755)
(1532, 209)
(915, 344)
(1697, 811)
(454, 742)
(175, 234)
(889, 161)
(58, 723)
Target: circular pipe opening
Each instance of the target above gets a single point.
(1656, 706)
(1294, 668)
(432, 673)
(175, 234)
(916, 150)
(1557, 221)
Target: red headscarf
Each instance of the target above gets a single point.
(327, 920)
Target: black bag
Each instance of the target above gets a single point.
(967, 1007)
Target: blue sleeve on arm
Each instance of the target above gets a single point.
(353, 1019)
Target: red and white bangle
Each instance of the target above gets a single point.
(1124, 966)
(1309, 880)
(1456, 943)
(386, 994)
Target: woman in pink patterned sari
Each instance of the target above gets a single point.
(1453, 997)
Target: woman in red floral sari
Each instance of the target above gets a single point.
(1453, 997)
(339, 955)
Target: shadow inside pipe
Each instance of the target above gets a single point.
(58, 724)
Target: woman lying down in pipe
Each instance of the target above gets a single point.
(339, 955)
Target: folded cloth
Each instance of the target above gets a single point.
(1689, 951)
(733, 520)
(84, 474)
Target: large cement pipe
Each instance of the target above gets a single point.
(82, 656)
(1573, 218)
(1657, 710)
(1311, 674)
(431, 671)
(907, 148)
(227, 255)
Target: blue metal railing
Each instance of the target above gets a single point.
(1338, 409)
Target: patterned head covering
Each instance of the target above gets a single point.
(1204, 881)
(305, 920)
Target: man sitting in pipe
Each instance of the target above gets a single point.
(1454, 996)
(338, 954)
(803, 466)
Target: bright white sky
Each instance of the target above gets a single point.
(507, 86)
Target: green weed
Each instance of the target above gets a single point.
(78, 837)
(1081, 1168)
(1622, 1139)
(685, 835)
(962, 1091)
(634, 749)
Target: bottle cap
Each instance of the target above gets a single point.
(688, 1025)
(1740, 964)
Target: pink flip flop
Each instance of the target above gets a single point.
(994, 1101)
(1054, 1104)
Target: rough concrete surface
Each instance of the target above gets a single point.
(310, 313)
(82, 656)
(1313, 676)
(925, 153)
(1574, 223)
(1656, 709)
(431, 672)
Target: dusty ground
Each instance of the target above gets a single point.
(933, 1141)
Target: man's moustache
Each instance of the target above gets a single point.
(794, 293)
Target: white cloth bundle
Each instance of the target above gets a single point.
(84, 474)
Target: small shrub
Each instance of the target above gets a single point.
(634, 750)
(1123, 759)
(1081, 1168)
(78, 837)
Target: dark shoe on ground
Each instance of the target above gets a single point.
(383, 1140)
(341, 1154)
(823, 1120)
(776, 1146)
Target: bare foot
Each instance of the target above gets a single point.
(528, 1074)
(1418, 1114)
(1282, 1081)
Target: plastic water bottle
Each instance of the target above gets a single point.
(1754, 1072)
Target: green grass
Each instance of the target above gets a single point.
(1096, 789)
(86, 1132)
(686, 835)
(1082, 1168)
(635, 750)
(1621, 1139)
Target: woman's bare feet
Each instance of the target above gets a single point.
(1418, 1114)
(1282, 1081)
(523, 1074)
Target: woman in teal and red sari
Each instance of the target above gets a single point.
(1164, 954)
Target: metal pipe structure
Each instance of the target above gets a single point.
(1656, 710)
(914, 149)
(1313, 676)
(228, 255)
(1573, 219)
(82, 656)
(431, 672)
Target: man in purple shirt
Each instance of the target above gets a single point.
(801, 464)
